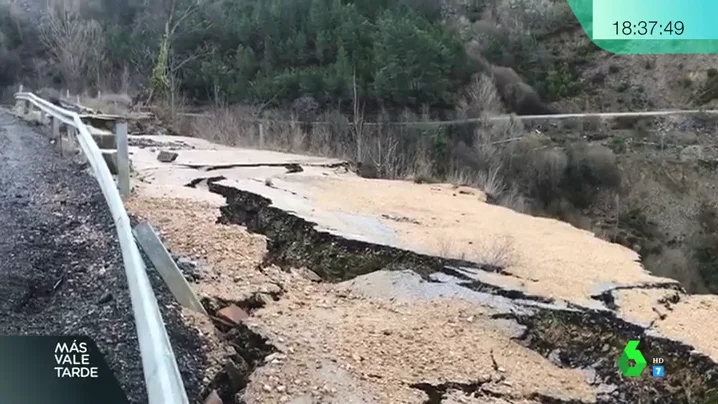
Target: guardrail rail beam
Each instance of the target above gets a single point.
(162, 377)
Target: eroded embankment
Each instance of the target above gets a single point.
(250, 350)
(293, 241)
(575, 338)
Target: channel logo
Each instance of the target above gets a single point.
(632, 362)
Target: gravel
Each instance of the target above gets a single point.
(61, 270)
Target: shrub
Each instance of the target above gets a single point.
(546, 168)
(706, 246)
(10, 65)
(561, 82)
(590, 168)
(518, 96)
(618, 144)
(708, 90)
(706, 254)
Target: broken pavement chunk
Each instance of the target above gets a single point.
(233, 314)
(167, 156)
(213, 398)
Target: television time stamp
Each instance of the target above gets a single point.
(637, 29)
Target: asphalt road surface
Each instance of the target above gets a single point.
(61, 270)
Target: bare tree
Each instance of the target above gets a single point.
(76, 44)
(358, 124)
(163, 81)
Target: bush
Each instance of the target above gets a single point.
(516, 94)
(618, 144)
(19, 44)
(706, 246)
(561, 82)
(708, 90)
(590, 168)
(546, 168)
(558, 180)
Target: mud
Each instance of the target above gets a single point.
(291, 167)
(143, 143)
(607, 298)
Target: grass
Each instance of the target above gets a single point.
(498, 252)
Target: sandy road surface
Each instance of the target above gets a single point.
(60, 265)
(384, 336)
(341, 344)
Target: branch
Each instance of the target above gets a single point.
(264, 105)
(186, 14)
(176, 66)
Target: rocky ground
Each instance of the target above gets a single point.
(61, 270)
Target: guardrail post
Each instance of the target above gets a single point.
(72, 140)
(123, 158)
(19, 104)
(55, 129)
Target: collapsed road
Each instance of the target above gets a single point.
(346, 295)
(61, 270)
(572, 337)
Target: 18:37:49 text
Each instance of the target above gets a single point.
(649, 28)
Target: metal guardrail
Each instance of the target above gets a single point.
(497, 118)
(162, 377)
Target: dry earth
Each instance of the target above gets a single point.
(374, 338)
(340, 346)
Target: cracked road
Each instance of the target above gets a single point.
(61, 270)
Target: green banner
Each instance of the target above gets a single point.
(649, 26)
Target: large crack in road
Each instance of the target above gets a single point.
(571, 337)
(61, 271)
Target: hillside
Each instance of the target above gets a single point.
(664, 206)
(645, 183)
(408, 252)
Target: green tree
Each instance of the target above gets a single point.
(414, 61)
(276, 51)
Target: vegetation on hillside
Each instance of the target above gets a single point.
(384, 54)
(388, 53)
(333, 77)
